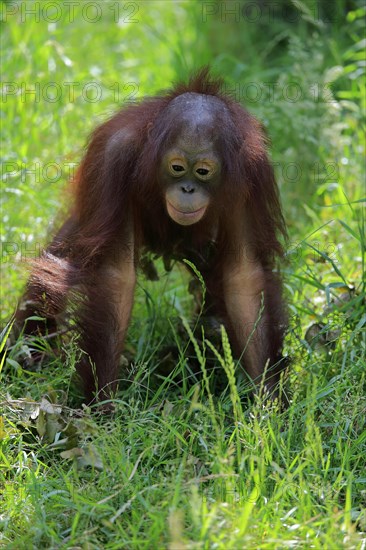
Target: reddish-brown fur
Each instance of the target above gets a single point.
(119, 212)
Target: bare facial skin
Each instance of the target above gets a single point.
(189, 177)
(191, 168)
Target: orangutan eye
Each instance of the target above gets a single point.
(205, 170)
(202, 171)
(177, 167)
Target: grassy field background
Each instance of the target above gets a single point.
(181, 464)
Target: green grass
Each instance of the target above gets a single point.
(188, 460)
